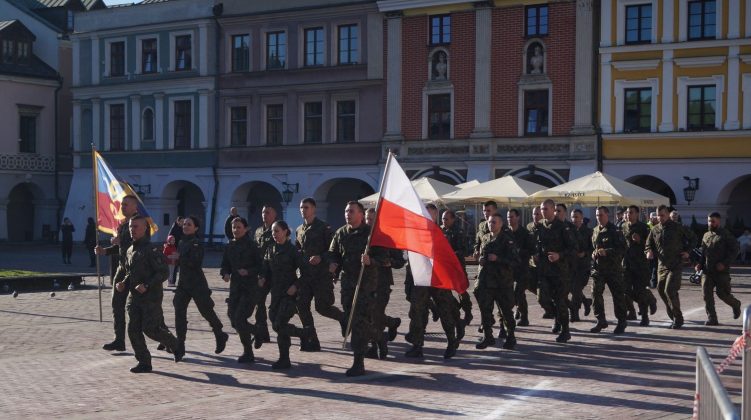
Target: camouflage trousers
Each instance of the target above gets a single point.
(240, 306)
(720, 282)
(487, 298)
(614, 282)
(204, 303)
(147, 318)
(281, 311)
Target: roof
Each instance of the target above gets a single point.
(43, 4)
(6, 23)
(18, 27)
(34, 68)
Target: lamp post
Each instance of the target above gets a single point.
(289, 191)
(689, 193)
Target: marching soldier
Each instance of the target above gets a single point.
(264, 240)
(607, 259)
(525, 248)
(719, 250)
(581, 266)
(456, 238)
(636, 268)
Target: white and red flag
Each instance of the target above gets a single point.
(403, 222)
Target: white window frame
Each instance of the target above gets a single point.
(173, 49)
(325, 129)
(621, 24)
(171, 121)
(153, 126)
(230, 48)
(301, 44)
(108, 56)
(684, 83)
(237, 103)
(442, 90)
(334, 33)
(683, 19)
(126, 123)
(620, 98)
(334, 116)
(520, 106)
(265, 102)
(139, 53)
(264, 47)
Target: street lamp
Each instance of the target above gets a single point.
(142, 189)
(689, 193)
(289, 190)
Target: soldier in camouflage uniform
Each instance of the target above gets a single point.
(120, 244)
(561, 213)
(555, 247)
(264, 241)
(193, 286)
(668, 243)
(141, 275)
(457, 239)
(348, 252)
(280, 264)
(525, 248)
(241, 264)
(719, 250)
(607, 260)
(635, 265)
(488, 208)
(312, 239)
(495, 282)
(581, 266)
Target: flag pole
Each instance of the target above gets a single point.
(367, 248)
(95, 177)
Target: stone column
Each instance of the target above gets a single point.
(96, 131)
(668, 16)
(3, 219)
(734, 87)
(606, 96)
(203, 50)
(135, 120)
(76, 127)
(583, 79)
(483, 24)
(203, 118)
(394, 78)
(159, 142)
(667, 123)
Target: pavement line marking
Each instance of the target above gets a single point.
(522, 397)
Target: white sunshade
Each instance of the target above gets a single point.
(429, 190)
(506, 190)
(602, 189)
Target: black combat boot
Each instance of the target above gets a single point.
(677, 323)
(117, 345)
(358, 366)
(587, 306)
(621, 327)
(179, 351)
(393, 327)
(141, 368)
(653, 306)
(601, 324)
(414, 352)
(284, 344)
(737, 310)
(711, 321)
(372, 351)
(221, 341)
(644, 320)
(488, 340)
(524, 321)
(309, 340)
(501, 332)
(247, 356)
(556, 328)
(467, 318)
(564, 336)
(510, 342)
(460, 331)
(383, 348)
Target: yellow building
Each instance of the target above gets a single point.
(675, 100)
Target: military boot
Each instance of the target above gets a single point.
(644, 320)
(510, 342)
(502, 331)
(261, 336)
(460, 331)
(737, 310)
(116, 345)
(179, 351)
(564, 336)
(677, 323)
(372, 352)
(524, 321)
(383, 348)
(247, 356)
(488, 340)
(451, 346)
(310, 342)
(711, 321)
(284, 344)
(221, 341)
(358, 366)
(601, 324)
(467, 318)
(587, 306)
(556, 328)
(414, 352)
(621, 327)
(653, 306)
(141, 368)
(393, 328)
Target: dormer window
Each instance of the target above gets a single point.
(8, 50)
(23, 51)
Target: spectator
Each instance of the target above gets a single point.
(228, 223)
(170, 253)
(90, 240)
(745, 243)
(67, 230)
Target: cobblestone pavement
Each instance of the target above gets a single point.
(52, 365)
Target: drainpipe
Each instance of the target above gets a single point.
(57, 171)
(217, 12)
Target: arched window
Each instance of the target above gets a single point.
(147, 125)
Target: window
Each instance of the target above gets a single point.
(701, 107)
(117, 59)
(345, 121)
(238, 125)
(148, 56)
(8, 50)
(274, 124)
(241, 52)
(637, 110)
(276, 50)
(183, 53)
(23, 51)
(701, 19)
(537, 20)
(71, 20)
(147, 125)
(117, 127)
(313, 124)
(348, 43)
(439, 116)
(28, 134)
(639, 24)
(182, 125)
(314, 47)
(535, 112)
(440, 29)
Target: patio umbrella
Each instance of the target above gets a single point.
(428, 189)
(602, 189)
(506, 190)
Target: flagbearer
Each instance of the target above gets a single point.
(495, 281)
(120, 244)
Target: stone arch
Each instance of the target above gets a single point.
(544, 177)
(654, 184)
(736, 195)
(332, 196)
(249, 198)
(438, 173)
(529, 52)
(189, 200)
(436, 73)
(21, 211)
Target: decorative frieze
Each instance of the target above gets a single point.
(27, 162)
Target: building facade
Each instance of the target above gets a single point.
(675, 100)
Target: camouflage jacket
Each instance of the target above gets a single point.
(583, 236)
(719, 246)
(280, 265)
(144, 264)
(457, 239)
(635, 235)
(240, 254)
(524, 244)
(554, 236)
(314, 239)
(609, 238)
(482, 230)
(667, 241)
(346, 249)
(497, 274)
(263, 238)
(191, 263)
(388, 259)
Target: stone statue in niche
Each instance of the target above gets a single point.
(440, 66)
(536, 60)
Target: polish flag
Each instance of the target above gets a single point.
(403, 222)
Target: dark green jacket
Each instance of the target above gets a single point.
(346, 249)
(263, 238)
(667, 241)
(280, 265)
(191, 263)
(719, 246)
(497, 274)
(609, 238)
(144, 264)
(635, 235)
(457, 239)
(554, 236)
(314, 239)
(240, 254)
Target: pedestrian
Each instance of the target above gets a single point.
(581, 267)
(176, 231)
(193, 286)
(264, 239)
(141, 277)
(495, 283)
(667, 243)
(719, 251)
(312, 239)
(607, 260)
(67, 229)
(348, 253)
(170, 254)
(90, 240)
(636, 269)
(280, 264)
(241, 265)
(118, 251)
(228, 223)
